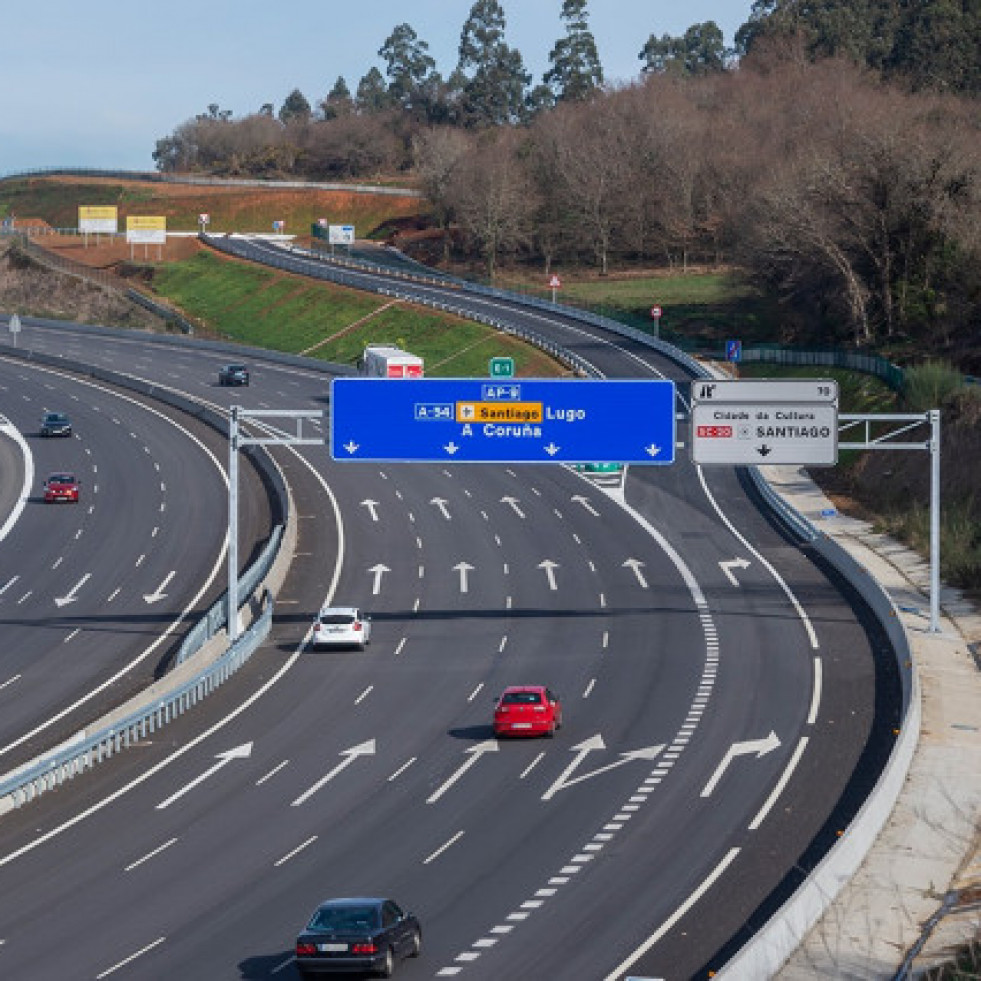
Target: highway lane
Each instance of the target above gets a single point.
(465, 901)
(95, 593)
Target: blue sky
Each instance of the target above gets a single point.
(96, 84)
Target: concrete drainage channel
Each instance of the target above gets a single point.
(204, 660)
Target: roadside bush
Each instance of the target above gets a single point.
(930, 385)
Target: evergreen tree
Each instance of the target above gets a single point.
(700, 52)
(576, 72)
(495, 91)
(338, 101)
(295, 108)
(372, 93)
(409, 68)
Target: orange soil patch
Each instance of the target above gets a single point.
(105, 253)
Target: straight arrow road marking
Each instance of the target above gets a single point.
(379, 570)
(158, 593)
(70, 596)
(463, 568)
(372, 507)
(239, 753)
(758, 746)
(350, 755)
(584, 501)
(441, 504)
(513, 502)
(727, 568)
(549, 566)
(636, 565)
(475, 753)
(591, 745)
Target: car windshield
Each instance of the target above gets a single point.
(345, 918)
(521, 698)
(57, 417)
(326, 618)
(236, 368)
(61, 478)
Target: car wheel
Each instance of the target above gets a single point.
(415, 944)
(388, 967)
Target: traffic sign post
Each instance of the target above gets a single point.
(473, 421)
(656, 317)
(554, 284)
(759, 421)
(13, 325)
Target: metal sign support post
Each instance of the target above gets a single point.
(886, 441)
(272, 436)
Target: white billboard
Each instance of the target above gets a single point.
(98, 219)
(146, 229)
(340, 234)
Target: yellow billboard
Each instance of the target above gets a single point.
(98, 218)
(146, 229)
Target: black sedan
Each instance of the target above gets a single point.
(233, 374)
(357, 935)
(55, 424)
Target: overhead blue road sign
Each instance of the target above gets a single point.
(464, 420)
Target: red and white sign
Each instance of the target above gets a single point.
(656, 312)
(204, 218)
(554, 282)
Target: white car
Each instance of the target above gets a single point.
(341, 626)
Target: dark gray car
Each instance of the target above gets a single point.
(55, 424)
(233, 374)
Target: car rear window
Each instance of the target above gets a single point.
(345, 918)
(337, 618)
(522, 698)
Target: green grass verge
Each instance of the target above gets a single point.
(266, 308)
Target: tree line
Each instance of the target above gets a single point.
(843, 183)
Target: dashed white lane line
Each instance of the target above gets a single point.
(149, 855)
(442, 848)
(271, 773)
(130, 959)
(405, 766)
(296, 851)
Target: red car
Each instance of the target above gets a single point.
(527, 710)
(61, 487)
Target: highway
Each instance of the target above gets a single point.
(725, 705)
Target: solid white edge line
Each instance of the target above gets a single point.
(674, 917)
(10, 430)
(804, 618)
(221, 723)
(781, 783)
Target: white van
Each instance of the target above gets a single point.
(386, 361)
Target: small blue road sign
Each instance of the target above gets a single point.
(507, 421)
(734, 350)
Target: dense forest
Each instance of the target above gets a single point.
(833, 154)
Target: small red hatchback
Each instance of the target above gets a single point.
(61, 487)
(527, 710)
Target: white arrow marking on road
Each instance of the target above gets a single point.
(584, 501)
(513, 501)
(372, 507)
(549, 566)
(463, 568)
(451, 448)
(636, 565)
(350, 755)
(727, 568)
(758, 746)
(552, 449)
(70, 597)
(158, 593)
(587, 746)
(351, 446)
(475, 752)
(441, 504)
(239, 753)
(379, 570)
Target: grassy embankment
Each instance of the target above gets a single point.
(263, 307)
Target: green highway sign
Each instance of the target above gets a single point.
(501, 367)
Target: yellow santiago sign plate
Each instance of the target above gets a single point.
(499, 411)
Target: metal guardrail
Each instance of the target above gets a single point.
(54, 769)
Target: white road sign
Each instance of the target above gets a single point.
(738, 434)
(755, 390)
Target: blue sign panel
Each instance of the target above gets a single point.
(734, 350)
(463, 420)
